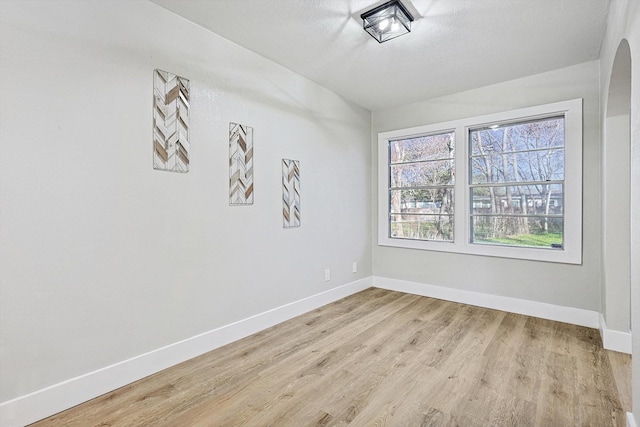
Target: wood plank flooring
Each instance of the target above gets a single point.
(382, 358)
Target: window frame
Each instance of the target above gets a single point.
(571, 253)
(423, 186)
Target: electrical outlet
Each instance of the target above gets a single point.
(354, 269)
(327, 275)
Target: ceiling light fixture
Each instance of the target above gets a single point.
(387, 21)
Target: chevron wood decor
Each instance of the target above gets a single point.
(240, 164)
(290, 193)
(170, 122)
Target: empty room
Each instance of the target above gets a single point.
(320, 213)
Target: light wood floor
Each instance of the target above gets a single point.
(386, 359)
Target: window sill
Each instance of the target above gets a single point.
(563, 256)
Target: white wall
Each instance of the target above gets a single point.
(624, 23)
(615, 232)
(104, 258)
(575, 286)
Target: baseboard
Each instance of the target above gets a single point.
(558, 313)
(51, 400)
(614, 340)
(631, 422)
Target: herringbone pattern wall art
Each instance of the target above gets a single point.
(291, 193)
(240, 164)
(170, 122)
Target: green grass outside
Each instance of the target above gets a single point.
(534, 240)
(416, 230)
(413, 230)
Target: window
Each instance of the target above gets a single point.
(421, 189)
(507, 184)
(517, 183)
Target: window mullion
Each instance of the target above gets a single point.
(517, 183)
(461, 229)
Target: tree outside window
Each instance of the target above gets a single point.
(421, 188)
(517, 183)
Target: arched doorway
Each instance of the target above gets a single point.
(616, 241)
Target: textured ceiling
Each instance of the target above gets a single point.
(454, 45)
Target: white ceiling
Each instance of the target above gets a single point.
(454, 45)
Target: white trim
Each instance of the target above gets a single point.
(543, 310)
(631, 422)
(51, 400)
(572, 250)
(614, 340)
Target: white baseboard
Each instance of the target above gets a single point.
(614, 340)
(558, 313)
(631, 422)
(51, 400)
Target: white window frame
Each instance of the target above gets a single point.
(570, 253)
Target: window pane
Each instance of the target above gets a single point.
(437, 172)
(423, 227)
(533, 135)
(539, 199)
(426, 201)
(430, 147)
(529, 231)
(541, 165)
(421, 175)
(518, 215)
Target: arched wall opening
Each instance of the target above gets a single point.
(616, 200)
